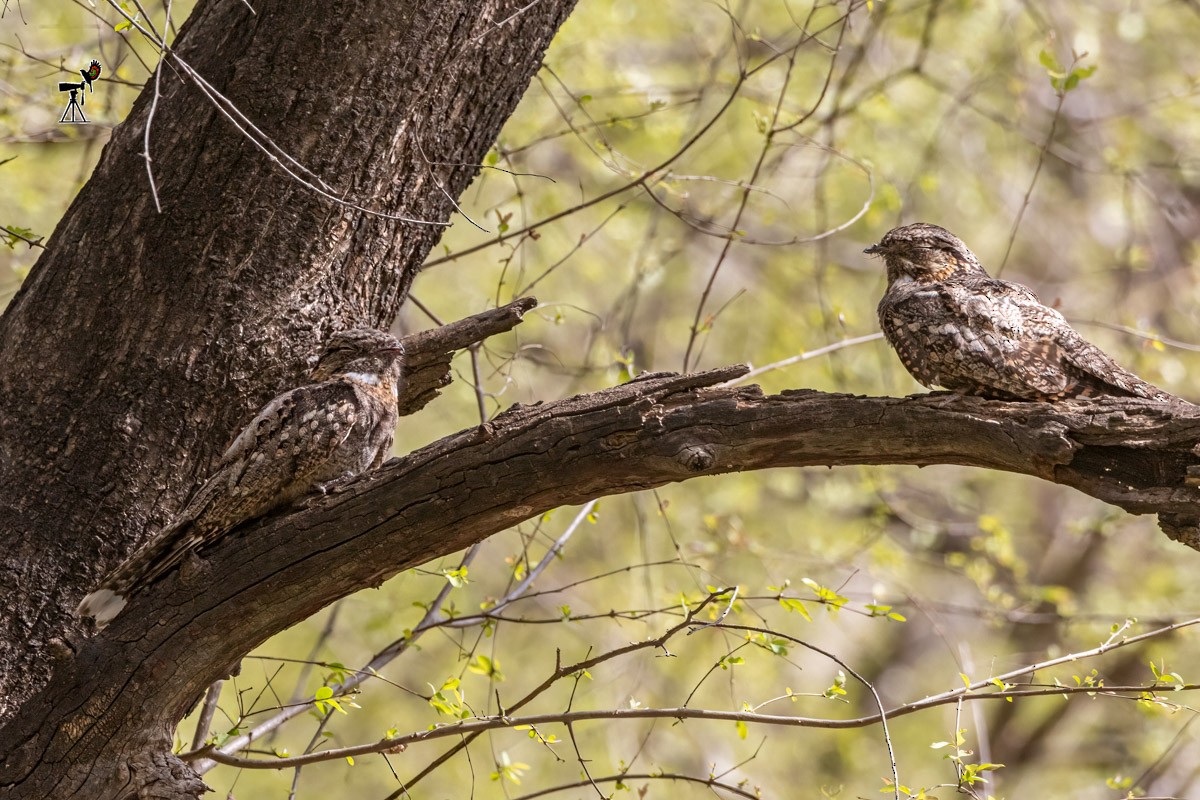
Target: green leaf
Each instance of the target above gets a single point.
(457, 577)
(1078, 74)
(12, 234)
(482, 665)
(797, 605)
(323, 700)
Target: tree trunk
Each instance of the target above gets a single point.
(142, 340)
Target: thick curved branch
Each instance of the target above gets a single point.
(658, 429)
(140, 340)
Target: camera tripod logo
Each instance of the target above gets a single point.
(73, 115)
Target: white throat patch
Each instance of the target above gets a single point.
(371, 380)
(363, 377)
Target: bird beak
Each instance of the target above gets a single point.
(874, 249)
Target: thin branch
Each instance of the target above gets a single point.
(805, 356)
(506, 20)
(430, 620)
(14, 234)
(1012, 234)
(883, 713)
(1115, 641)
(1150, 337)
(710, 782)
(265, 144)
(162, 56)
(206, 714)
(695, 329)
(481, 724)
(639, 181)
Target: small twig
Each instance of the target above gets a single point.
(258, 138)
(478, 725)
(31, 242)
(506, 20)
(206, 714)
(711, 782)
(429, 621)
(733, 593)
(883, 713)
(1012, 234)
(425, 310)
(574, 249)
(1150, 337)
(162, 56)
(477, 381)
(441, 188)
(820, 351)
(639, 181)
(521, 588)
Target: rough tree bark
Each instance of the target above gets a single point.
(141, 341)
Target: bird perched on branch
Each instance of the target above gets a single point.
(955, 326)
(338, 426)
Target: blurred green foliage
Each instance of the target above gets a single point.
(914, 110)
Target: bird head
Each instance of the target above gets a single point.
(924, 253)
(363, 351)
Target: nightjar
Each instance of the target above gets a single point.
(955, 326)
(339, 425)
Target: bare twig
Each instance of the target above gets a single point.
(820, 351)
(970, 692)
(209, 710)
(1037, 170)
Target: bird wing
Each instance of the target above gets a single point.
(970, 336)
(294, 436)
(1052, 346)
(284, 451)
(1022, 336)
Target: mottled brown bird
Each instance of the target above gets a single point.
(338, 426)
(955, 326)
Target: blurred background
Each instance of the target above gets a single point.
(688, 185)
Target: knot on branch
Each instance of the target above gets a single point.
(696, 458)
(159, 775)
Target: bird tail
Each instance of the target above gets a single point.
(1113, 379)
(164, 551)
(103, 604)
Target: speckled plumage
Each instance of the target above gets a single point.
(340, 425)
(955, 326)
